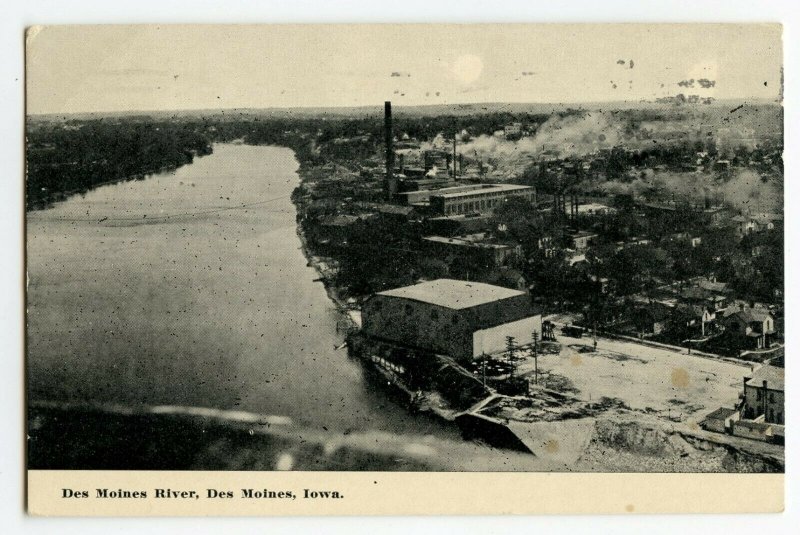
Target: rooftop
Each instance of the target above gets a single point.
(771, 374)
(721, 414)
(455, 294)
(713, 286)
(750, 315)
(481, 188)
(583, 234)
(466, 242)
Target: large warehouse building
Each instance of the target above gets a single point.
(478, 198)
(458, 318)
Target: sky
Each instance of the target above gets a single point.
(116, 68)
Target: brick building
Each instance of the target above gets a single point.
(457, 318)
(764, 395)
(478, 198)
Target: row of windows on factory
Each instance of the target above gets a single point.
(477, 205)
(473, 206)
(434, 314)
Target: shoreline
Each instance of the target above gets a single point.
(312, 260)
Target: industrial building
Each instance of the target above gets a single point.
(476, 198)
(452, 317)
(477, 249)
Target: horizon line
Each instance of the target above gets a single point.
(379, 106)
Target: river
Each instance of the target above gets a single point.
(190, 288)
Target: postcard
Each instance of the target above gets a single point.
(404, 269)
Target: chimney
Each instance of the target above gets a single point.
(455, 156)
(391, 183)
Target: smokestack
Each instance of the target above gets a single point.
(455, 156)
(391, 183)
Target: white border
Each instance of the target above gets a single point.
(21, 14)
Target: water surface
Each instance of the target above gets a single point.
(190, 288)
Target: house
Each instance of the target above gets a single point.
(721, 420)
(652, 318)
(764, 395)
(513, 131)
(713, 286)
(750, 223)
(582, 240)
(694, 320)
(752, 328)
(452, 317)
(508, 278)
(700, 296)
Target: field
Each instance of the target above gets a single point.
(661, 382)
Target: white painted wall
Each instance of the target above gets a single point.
(493, 339)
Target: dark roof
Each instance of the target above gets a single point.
(721, 414)
(750, 315)
(691, 310)
(771, 374)
(696, 293)
(394, 209)
(711, 286)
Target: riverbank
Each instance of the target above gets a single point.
(345, 321)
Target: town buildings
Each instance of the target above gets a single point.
(760, 413)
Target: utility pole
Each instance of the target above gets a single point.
(484, 369)
(535, 357)
(511, 348)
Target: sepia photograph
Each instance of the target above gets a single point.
(413, 248)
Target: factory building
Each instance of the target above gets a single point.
(458, 318)
(476, 249)
(477, 198)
